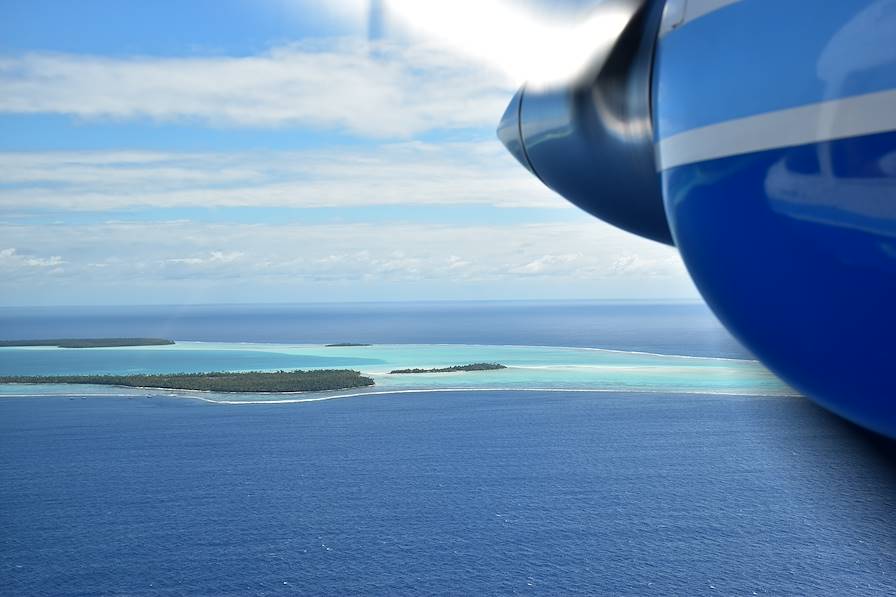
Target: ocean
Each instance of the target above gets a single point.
(672, 328)
(666, 462)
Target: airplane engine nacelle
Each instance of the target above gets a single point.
(591, 141)
(763, 144)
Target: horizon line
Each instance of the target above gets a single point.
(695, 300)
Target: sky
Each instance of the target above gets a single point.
(234, 151)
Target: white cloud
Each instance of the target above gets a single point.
(387, 90)
(363, 261)
(405, 173)
(393, 92)
(547, 264)
(638, 264)
(213, 257)
(11, 259)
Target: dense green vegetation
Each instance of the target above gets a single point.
(89, 342)
(470, 367)
(339, 344)
(253, 381)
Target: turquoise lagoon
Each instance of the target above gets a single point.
(529, 367)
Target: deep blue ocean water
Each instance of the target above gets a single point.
(672, 328)
(451, 493)
(122, 362)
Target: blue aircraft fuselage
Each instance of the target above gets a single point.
(773, 135)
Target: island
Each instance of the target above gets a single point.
(344, 344)
(218, 381)
(470, 367)
(88, 342)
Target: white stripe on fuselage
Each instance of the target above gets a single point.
(814, 123)
(678, 13)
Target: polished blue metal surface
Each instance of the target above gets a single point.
(592, 141)
(509, 132)
(794, 246)
(754, 56)
(775, 130)
(809, 287)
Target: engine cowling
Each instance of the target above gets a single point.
(770, 166)
(591, 140)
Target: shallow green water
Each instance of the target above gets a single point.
(528, 366)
